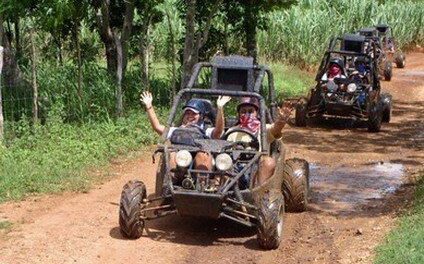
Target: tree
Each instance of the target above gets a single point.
(248, 16)
(197, 32)
(114, 22)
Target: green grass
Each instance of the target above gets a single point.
(405, 244)
(55, 157)
(290, 81)
(5, 225)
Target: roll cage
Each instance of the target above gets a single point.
(351, 45)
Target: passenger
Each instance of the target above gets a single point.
(249, 120)
(193, 114)
(335, 70)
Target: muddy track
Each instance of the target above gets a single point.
(359, 186)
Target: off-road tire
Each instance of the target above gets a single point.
(375, 119)
(300, 114)
(270, 220)
(388, 71)
(295, 186)
(386, 101)
(399, 59)
(130, 207)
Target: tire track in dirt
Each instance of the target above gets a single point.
(83, 228)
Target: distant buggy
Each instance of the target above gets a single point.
(356, 95)
(377, 51)
(389, 46)
(219, 193)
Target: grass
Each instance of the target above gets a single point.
(5, 225)
(405, 244)
(55, 157)
(290, 81)
(301, 34)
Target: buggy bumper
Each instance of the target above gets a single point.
(189, 203)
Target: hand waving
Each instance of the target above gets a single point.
(147, 99)
(284, 112)
(222, 101)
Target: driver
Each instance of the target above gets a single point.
(249, 120)
(193, 114)
(335, 70)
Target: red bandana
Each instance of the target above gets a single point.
(249, 122)
(334, 71)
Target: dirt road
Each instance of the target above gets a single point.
(358, 189)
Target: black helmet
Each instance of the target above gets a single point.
(195, 105)
(337, 61)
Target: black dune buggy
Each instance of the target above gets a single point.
(219, 193)
(389, 45)
(377, 49)
(357, 95)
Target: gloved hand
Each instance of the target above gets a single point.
(222, 100)
(284, 112)
(147, 99)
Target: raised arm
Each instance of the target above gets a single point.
(282, 118)
(220, 119)
(147, 99)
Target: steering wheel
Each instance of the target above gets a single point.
(254, 140)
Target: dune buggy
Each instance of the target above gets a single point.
(218, 193)
(389, 46)
(383, 61)
(357, 96)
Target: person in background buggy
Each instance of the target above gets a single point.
(248, 119)
(193, 118)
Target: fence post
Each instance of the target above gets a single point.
(34, 78)
(1, 98)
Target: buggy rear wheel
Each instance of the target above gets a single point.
(374, 118)
(295, 185)
(399, 59)
(270, 220)
(300, 114)
(386, 101)
(130, 207)
(388, 70)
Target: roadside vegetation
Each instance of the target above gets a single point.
(405, 243)
(88, 113)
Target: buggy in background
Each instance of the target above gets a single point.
(377, 51)
(353, 94)
(389, 45)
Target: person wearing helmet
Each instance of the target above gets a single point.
(193, 116)
(248, 118)
(335, 70)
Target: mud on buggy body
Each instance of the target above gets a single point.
(218, 193)
(355, 97)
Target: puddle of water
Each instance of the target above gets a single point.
(345, 187)
(414, 73)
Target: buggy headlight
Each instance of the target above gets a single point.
(223, 162)
(183, 158)
(351, 88)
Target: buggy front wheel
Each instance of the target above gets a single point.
(270, 220)
(131, 204)
(295, 185)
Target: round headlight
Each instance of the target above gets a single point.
(183, 158)
(351, 88)
(223, 162)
